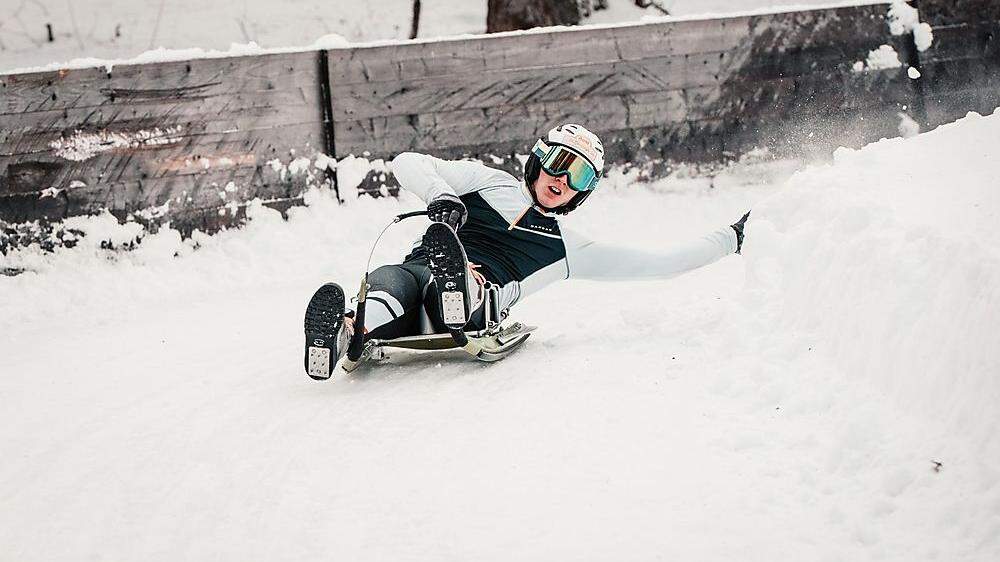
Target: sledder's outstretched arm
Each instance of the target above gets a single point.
(593, 260)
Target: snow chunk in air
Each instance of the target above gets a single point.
(904, 18)
(879, 59)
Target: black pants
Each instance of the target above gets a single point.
(404, 291)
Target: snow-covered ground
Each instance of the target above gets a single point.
(830, 395)
(123, 29)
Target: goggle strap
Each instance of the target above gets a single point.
(540, 149)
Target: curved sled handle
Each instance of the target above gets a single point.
(408, 215)
(356, 346)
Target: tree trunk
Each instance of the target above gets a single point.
(415, 22)
(511, 15)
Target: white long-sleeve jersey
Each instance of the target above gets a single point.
(522, 249)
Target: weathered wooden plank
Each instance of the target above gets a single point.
(538, 118)
(961, 69)
(125, 197)
(691, 37)
(234, 109)
(956, 87)
(728, 137)
(232, 114)
(779, 33)
(159, 82)
(574, 82)
(180, 155)
(958, 74)
(234, 154)
(945, 107)
(780, 46)
(943, 80)
(950, 12)
(388, 135)
(213, 122)
(176, 194)
(964, 41)
(699, 104)
(490, 89)
(526, 51)
(62, 140)
(789, 31)
(657, 108)
(401, 61)
(797, 30)
(809, 96)
(794, 100)
(613, 44)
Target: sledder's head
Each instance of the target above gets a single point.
(564, 167)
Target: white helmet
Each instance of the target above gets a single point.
(572, 150)
(579, 138)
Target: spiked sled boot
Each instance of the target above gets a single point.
(447, 261)
(326, 337)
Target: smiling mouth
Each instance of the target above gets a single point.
(555, 190)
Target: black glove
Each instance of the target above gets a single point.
(449, 209)
(738, 227)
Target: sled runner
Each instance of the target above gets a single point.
(487, 345)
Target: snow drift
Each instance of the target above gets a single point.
(889, 259)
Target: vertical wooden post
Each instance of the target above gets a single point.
(329, 144)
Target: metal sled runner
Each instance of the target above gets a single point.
(486, 345)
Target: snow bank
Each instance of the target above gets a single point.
(889, 260)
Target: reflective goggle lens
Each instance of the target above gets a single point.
(561, 161)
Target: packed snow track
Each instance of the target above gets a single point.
(830, 395)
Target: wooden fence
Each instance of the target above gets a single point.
(188, 141)
(961, 69)
(683, 90)
(192, 141)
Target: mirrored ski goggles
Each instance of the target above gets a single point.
(559, 160)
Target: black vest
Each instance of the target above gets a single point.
(506, 254)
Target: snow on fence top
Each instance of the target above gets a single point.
(192, 141)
